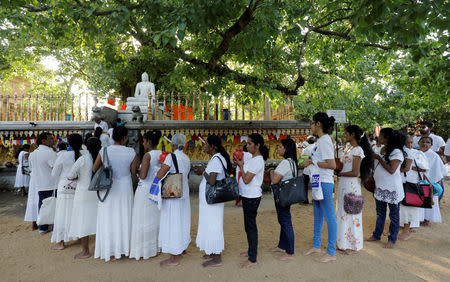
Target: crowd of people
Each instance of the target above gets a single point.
(128, 223)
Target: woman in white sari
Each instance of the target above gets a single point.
(175, 223)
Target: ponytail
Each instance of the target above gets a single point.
(326, 121)
(366, 167)
(75, 141)
(258, 139)
(215, 141)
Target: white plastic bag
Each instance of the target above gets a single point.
(316, 188)
(155, 192)
(47, 212)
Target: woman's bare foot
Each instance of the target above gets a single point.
(113, 258)
(247, 264)
(172, 261)
(325, 258)
(342, 251)
(276, 249)
(83, 255)
(206, 257)
(389, 245)
(414, 230)
(311, 251)
(404, 235)
(426, 223)
(214, 262)
(386, 233)
(244, 254)
(58, 246)
(371, 239)
(285, 257)
(34, 226)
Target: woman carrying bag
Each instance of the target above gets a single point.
(175, 224)
(287, 169)
(210, 216)
(323, 160)
(412, 173)
(114, 213)
(64, 199)
(357, 161)
(146, 214)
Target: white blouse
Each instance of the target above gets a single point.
(389, 187)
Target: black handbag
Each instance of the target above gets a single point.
(418, 194)
(290, 191)
(224, 190)
(102, 179)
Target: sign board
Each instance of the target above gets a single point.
(339, 115)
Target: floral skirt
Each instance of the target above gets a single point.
(350, 230)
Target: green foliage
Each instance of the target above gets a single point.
(381, 61)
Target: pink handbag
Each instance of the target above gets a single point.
(353, 204)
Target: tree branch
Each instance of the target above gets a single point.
(231, 32)
(300, 79)
(224, 70)
(33, 9)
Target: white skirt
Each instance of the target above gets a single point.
(210, 237)
(408, 214)
(433, 214)
(22, 180)
(32, 210)
(144, 226)
(114, 222)
(84, 213)
(175, 225)
(350, 229)
(63, 214)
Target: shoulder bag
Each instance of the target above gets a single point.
(369, 183)
(290, 191)
(223, 190)
(25, 169)
(418, 194)
(47, 211)
(102, 179)
(172, 186)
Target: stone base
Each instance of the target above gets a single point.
(127, 115)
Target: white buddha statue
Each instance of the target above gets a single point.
(141, 94)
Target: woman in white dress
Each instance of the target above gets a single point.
(84, 213)
(357, 161)
(146, 214)
(388, 184)
(64, 198)
(210, 216)
(114, 213)
(418, 164)
(175, 224)
(22, 180)
(435, 174)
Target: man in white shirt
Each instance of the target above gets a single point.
(41, 164)
(100, 123)
(425, 130)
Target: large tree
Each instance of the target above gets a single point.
(371, 58)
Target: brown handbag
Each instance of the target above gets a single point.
(369, 183)
(172, 186)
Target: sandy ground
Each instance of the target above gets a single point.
(26, 255)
